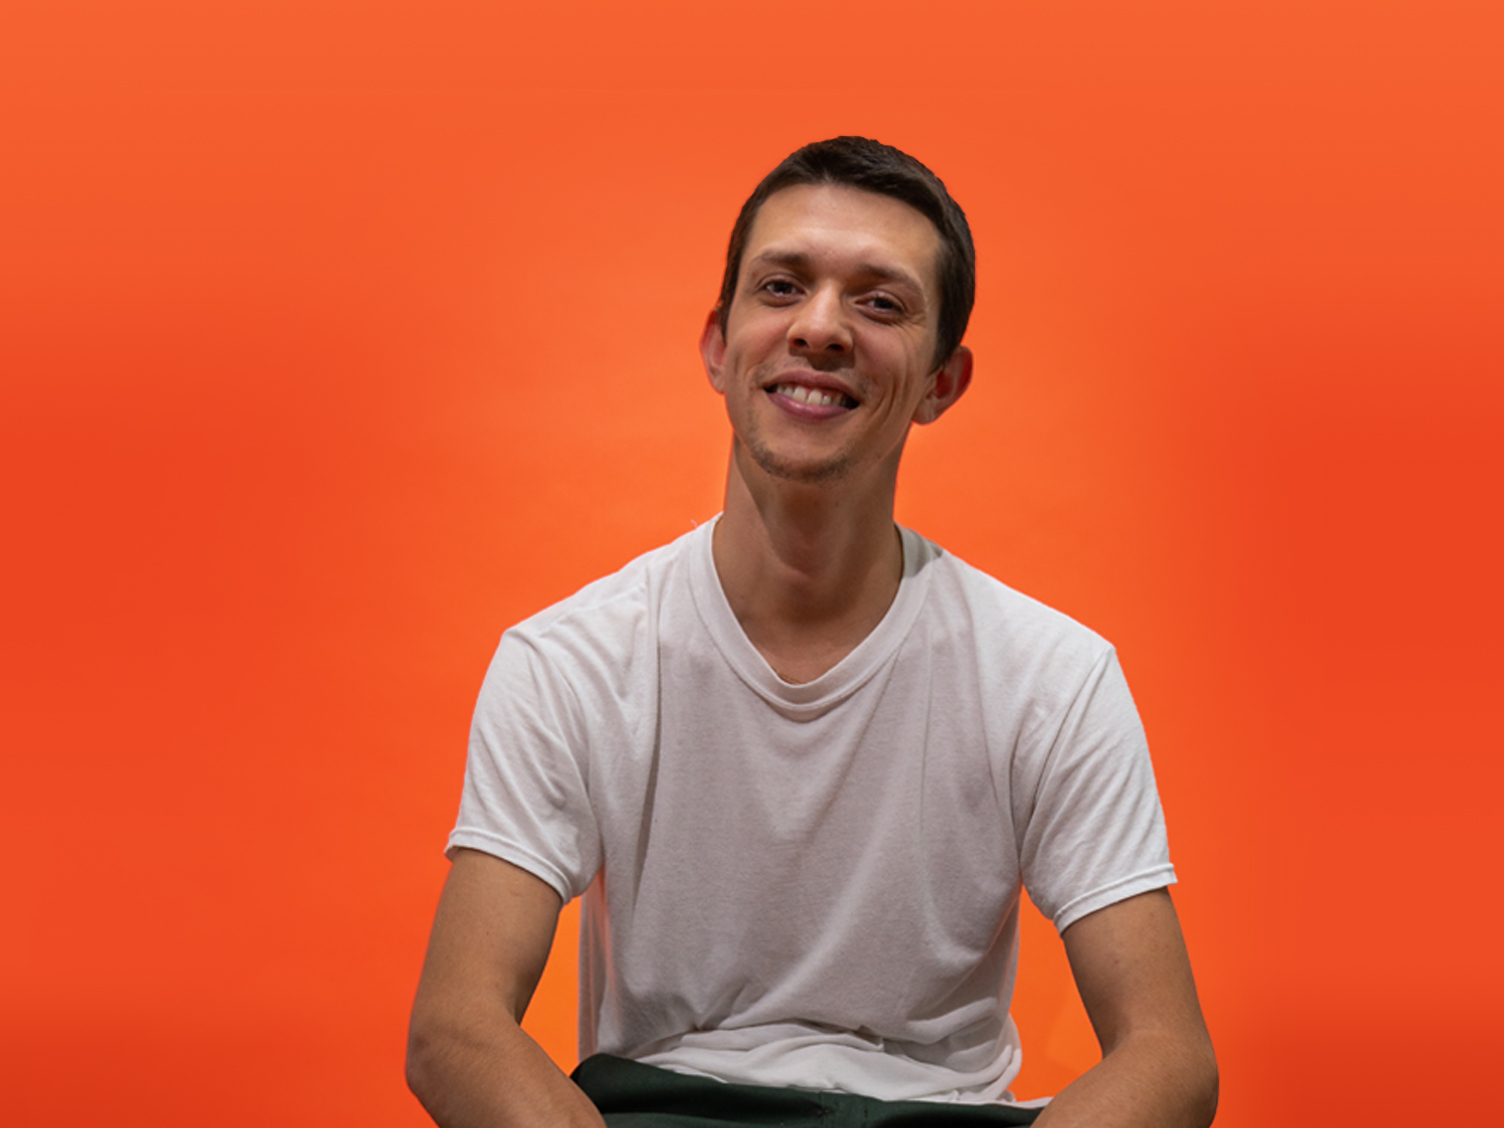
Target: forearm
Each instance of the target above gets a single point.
(491, 1075)
(1145, 1082)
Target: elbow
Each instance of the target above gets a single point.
(1204, 1108)
(1204, 1088)
(1187, 1093)
(421, 1065)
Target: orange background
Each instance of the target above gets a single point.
(336, 338)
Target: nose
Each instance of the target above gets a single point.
(819, 326)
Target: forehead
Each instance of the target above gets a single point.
(848, 228)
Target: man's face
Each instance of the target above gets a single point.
(827, 355)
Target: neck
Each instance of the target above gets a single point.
(809, 570)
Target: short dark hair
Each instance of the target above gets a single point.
(859, 162)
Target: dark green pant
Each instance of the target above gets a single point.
(632, 1095)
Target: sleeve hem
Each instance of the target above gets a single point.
(1157, 878)
(518, 856)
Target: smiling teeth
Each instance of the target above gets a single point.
(815, 397)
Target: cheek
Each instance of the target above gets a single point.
(758, 333)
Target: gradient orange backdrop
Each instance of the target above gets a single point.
(336, 339)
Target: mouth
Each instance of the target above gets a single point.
(813, 397)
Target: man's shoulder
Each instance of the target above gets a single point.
(617, 600)
(999, 609)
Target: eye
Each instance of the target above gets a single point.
(780, 288)
(884, 305)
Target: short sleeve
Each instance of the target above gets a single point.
(1094, 833)
(526, 797)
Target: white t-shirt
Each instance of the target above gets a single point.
(811, 885)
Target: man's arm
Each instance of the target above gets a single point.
(468, 1060)
(1157, 1066)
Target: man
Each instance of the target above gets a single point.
(799, 761)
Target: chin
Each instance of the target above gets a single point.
(806, 471)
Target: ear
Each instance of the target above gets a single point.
(713, 349)
(948, 383)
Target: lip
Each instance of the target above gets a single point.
(808, 378)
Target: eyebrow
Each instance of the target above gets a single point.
(800, 261)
